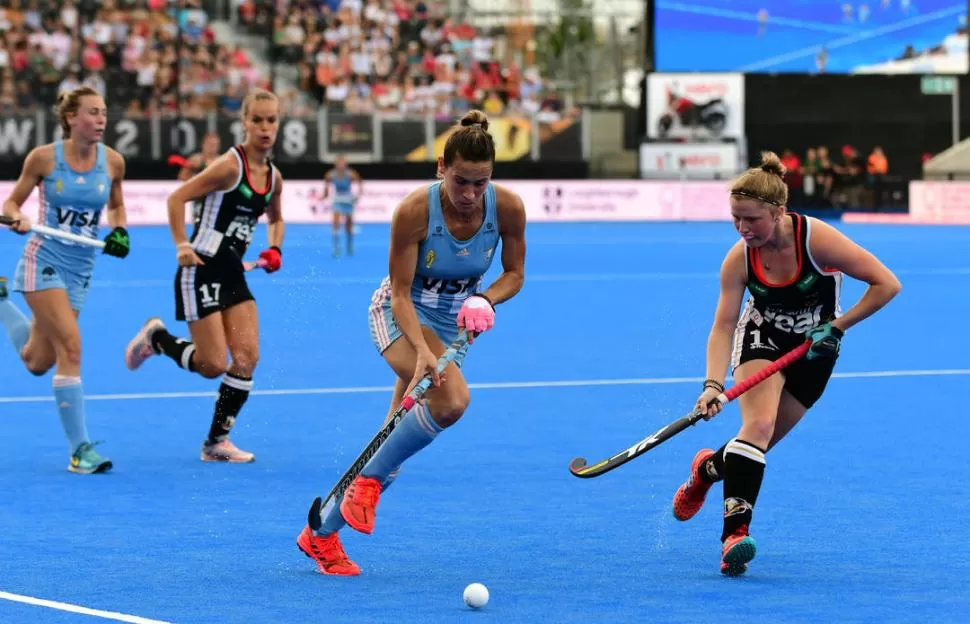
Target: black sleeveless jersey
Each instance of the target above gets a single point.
(809, 299)
(225, 221)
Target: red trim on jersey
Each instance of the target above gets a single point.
(245, 162)
(756, 259)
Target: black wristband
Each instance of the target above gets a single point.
(713, 383)
(482, 295)
(278, 250)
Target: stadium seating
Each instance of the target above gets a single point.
(393, 56)
(138, 53)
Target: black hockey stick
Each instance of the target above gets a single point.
(315, 519)
(579, 468)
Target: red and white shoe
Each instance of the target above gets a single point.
(225, 451)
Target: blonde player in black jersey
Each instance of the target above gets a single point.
(792, 266)
(211, 293)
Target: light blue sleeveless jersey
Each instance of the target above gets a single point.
(343, 198)
(447, 273)
(450, 270)
(73, 202)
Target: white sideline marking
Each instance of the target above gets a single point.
(63, 606)
(498, 385)
(345, 280)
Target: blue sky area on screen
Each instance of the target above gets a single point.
(798, 35)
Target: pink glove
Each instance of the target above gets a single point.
(476, 315)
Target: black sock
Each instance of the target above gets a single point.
(744, 468)
(232, 396)
(179, 350)
(712, 470)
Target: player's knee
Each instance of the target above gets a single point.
(37, 367)
(244, 360)
(448, 409)
(209, 366)
(37, 364)
(69, 350)
(758, 430)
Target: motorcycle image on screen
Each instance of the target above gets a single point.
(692, 116)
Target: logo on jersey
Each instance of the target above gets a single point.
(806, 282)
(437, 231)
(77, 218)
(794, 321)
(489, 252)
(248, 192)
(446, 287)
(59, 186)
(429, 259)
(242, 228)
(756, 288)
(462, 252)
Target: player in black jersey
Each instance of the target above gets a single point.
(792, 267)
(211, 293)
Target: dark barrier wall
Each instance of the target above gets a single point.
(379, 147)
(797, 111)
(529, 170)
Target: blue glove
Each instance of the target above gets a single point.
(826, 341)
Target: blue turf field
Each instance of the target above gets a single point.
(796, 29)
(862, 517)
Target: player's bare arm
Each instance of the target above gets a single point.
(831, 248)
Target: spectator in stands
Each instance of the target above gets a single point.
(877, 167)
(399, 55)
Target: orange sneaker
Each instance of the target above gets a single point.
(738, 549)
(359, 506)
(328, 552)
(690, 496)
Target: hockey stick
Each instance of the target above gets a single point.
(259, 264)
(315, 517)
(43, 230)
(579, 468)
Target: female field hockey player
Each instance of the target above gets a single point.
(211, 293)
(792, 266)
(443, 239)
(200, 160)
(343, 177)
(78, 177)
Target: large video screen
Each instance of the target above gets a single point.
(815, 36)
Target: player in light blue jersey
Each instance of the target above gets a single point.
(444, 237)
(342, 178)
(77, 178)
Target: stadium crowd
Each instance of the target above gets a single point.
(400, 56)
(141, 54)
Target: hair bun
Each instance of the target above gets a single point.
(475, 118)
(770, 163)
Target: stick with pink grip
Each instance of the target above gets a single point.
(579, 468)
